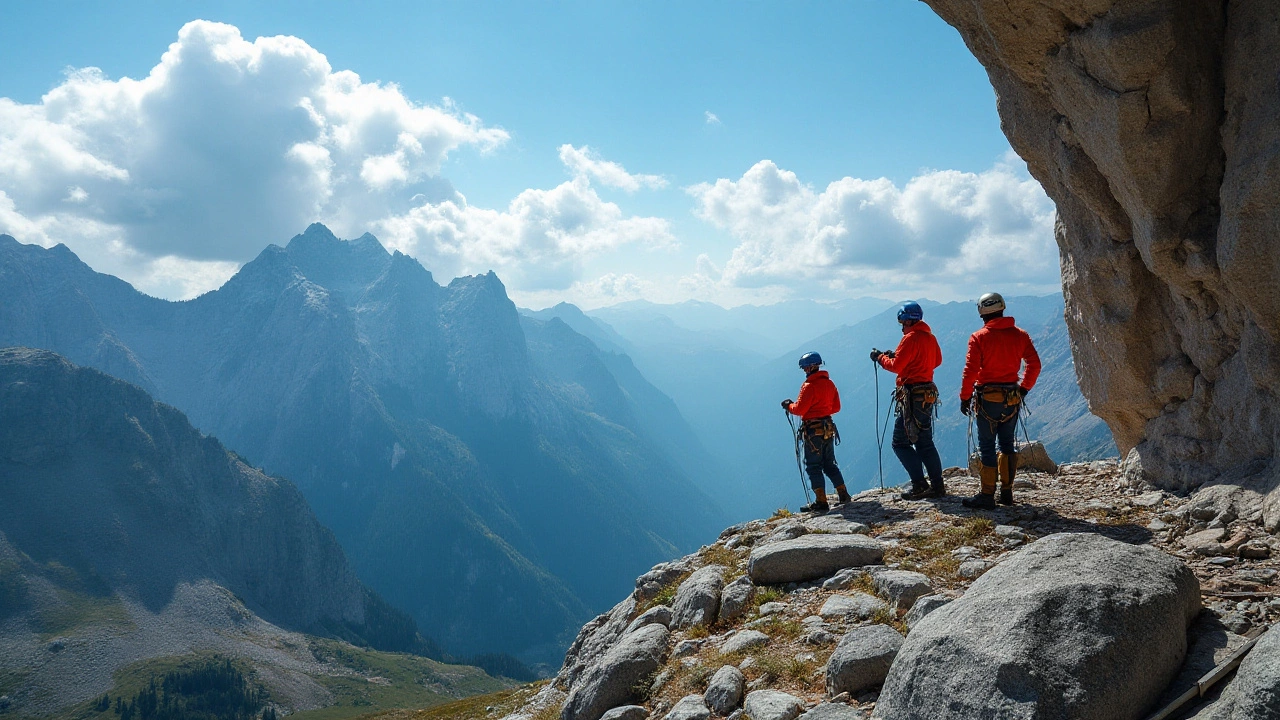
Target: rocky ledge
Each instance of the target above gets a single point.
(1090, 598)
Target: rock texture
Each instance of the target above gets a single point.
(724, 692)
(736, 598)
(698, 598)
(862, 659)
(1254, 694)
(1152, 126)
(772, 705)
(613, 680)
(809, 557)
(1073, 625)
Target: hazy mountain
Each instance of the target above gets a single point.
(447, 459)
(734, 394)
(125, 535)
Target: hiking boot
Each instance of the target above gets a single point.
(817, 506)
(917, 492)
(982, 501)
(842, 495)
(937, 490)
(1006, 496)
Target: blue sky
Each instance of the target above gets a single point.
(854, 150)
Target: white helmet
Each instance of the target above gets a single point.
(990, 303)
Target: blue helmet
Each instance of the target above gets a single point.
(810, 358)
(910, 310)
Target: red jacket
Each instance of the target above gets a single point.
(916, 357)
(818, 397)
(996, 354)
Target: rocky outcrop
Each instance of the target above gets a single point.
(1152, 126)
(614, 678)
(809, 557)
(698, 598)
(1254, 694)
(1073, 625)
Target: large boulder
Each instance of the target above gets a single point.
(743, 641)
(594, 639)
(736, 599)
(810, 557)
(724, 692)
(1254, 694)
(698, 598)
(862, 659)
(922, 607)
(613, 679)
(690, 707)
(1072, 626)
(772, 705)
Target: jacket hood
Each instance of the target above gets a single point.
(999, 323)
(919, 326)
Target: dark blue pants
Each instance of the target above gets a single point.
(921, 455)
(820, 457)
(996, 421)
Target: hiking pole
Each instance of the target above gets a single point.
(875, 426)
(795, 437)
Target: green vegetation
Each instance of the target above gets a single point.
(214, 689)
(931, 552)
(767, 594)
(476, 707)
(666, 595)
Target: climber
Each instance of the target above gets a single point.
(991, 368)
(817, 402)
(915, 399)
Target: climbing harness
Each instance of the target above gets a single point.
(795, 437)
(904, 399)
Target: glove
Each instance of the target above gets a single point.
(964, 406)
(891, 354)
(786, 404)
(875, 355)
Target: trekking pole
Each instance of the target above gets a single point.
(795, 437)
(875, 428)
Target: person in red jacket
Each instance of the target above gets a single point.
(817, 402)
(991, 372)
(916, 397)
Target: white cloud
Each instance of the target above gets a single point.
(712, 118)
(945, 231)
(224, 146)
(539, 242)
(583, 162)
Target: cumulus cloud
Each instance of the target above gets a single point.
(539, 242)
(225, 146)
(583, 162)
(942, 228)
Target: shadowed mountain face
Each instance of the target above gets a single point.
(461, 474)
(104, 485)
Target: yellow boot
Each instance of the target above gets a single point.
(986, 497)
(819, 502)
(1007, 466)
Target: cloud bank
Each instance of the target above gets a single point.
(943, 230)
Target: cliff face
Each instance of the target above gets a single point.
(1152, 126)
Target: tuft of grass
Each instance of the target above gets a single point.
(698, 631)
(548, 712)
(695, 681)
(932, 551)
(782, 628)
(885, 616)
(721, 555)
(781, 513)
(774, 666)
(767, 594)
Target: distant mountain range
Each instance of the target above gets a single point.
(501, 479)
(127, 536)
(733, 390)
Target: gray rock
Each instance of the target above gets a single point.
(902, 587)
(1032, 456)
(832, 711)
(862, 659)
(690, 707)
(1149, 499)
(844, 579)
(724, 692)
(924, 606)
(626, 712)
(660, 614)
(612, 680)
(772, 705)
(811, 557)
(651, 583)
(1010, 532)
(736, 599)
(1255, 692)
(685, 648)
(594, 640)
(786, 531)
(1073, 625)
(743, 640)
(818, 636)
(698, 598)
(836, 525)
(859, 605)
(1205, 542)
(773, 608)
(973, 568)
